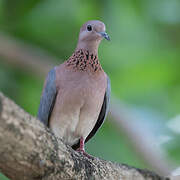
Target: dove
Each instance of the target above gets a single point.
(76, 94)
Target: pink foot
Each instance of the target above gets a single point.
(81, 149)
(84, 153)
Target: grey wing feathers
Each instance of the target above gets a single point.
(48, 98)
(103, 112)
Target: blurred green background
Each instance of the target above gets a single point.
(142, 60)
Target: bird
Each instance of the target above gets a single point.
(76, 94)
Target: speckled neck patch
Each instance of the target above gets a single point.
(82, 60)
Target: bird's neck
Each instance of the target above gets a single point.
(83, 60)
(91, 46)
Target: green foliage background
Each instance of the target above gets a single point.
(142, 59)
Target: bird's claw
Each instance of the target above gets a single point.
(81, 151)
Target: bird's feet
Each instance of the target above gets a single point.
(82, 151)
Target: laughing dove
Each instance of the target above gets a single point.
(76, 94)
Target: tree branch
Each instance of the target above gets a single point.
(29, 151)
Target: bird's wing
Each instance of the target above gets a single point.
(48, 98)
(103, 112)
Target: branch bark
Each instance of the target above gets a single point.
(29, 151)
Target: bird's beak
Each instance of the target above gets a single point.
(105, 35)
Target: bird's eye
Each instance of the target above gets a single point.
(89, 28)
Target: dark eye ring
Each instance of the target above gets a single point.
(89, 27)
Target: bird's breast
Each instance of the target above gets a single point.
(78, 104)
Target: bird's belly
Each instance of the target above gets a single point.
(76, 113)
(88, 115)
(65, 118)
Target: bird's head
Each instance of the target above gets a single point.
(91, 34)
